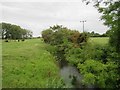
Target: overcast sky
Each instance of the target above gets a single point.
(37, 16)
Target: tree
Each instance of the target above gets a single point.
(10, 31)
(108, 33)
(47, 35)
(111, 16)
(27, 33)
(110, 10)
(6, 30)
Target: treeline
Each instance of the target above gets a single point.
(97, 64)
(94, 34)
(14, 32)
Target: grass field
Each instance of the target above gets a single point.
(99, 40)
(0, 64)
(27, 64)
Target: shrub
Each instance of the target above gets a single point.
(63, 39)
(57, 34)
(99, 74)
(73, 55)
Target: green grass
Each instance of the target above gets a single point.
(99, 40)
(27, 64)
(0, 64)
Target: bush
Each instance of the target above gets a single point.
(98, 74)
(57, 34)
(73, 55)
(63, 39)
(97, 63)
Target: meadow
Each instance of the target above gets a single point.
(27, 64)
(99, 40)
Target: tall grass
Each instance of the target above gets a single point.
(27, 64)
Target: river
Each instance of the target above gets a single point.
(71, 77)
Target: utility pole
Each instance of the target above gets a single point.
(83, 24)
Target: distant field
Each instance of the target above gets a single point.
(27, 64)
(99, 40)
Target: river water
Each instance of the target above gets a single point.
(72, 78)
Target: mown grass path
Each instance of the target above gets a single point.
(27, 64)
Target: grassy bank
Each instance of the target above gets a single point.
(27, 64)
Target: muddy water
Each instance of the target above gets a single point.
(71, 76)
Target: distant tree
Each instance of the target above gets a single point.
(108, 32)
(10, 31)
(6, 30)
(93, 34)
(28, 33)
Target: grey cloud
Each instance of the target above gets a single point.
(37, 16)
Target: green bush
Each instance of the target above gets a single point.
(97, 63)
(73, 55)
(57, 34)
(63, 39)
(93, 51)
(99, 74)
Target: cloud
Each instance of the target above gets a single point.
(38, 16)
